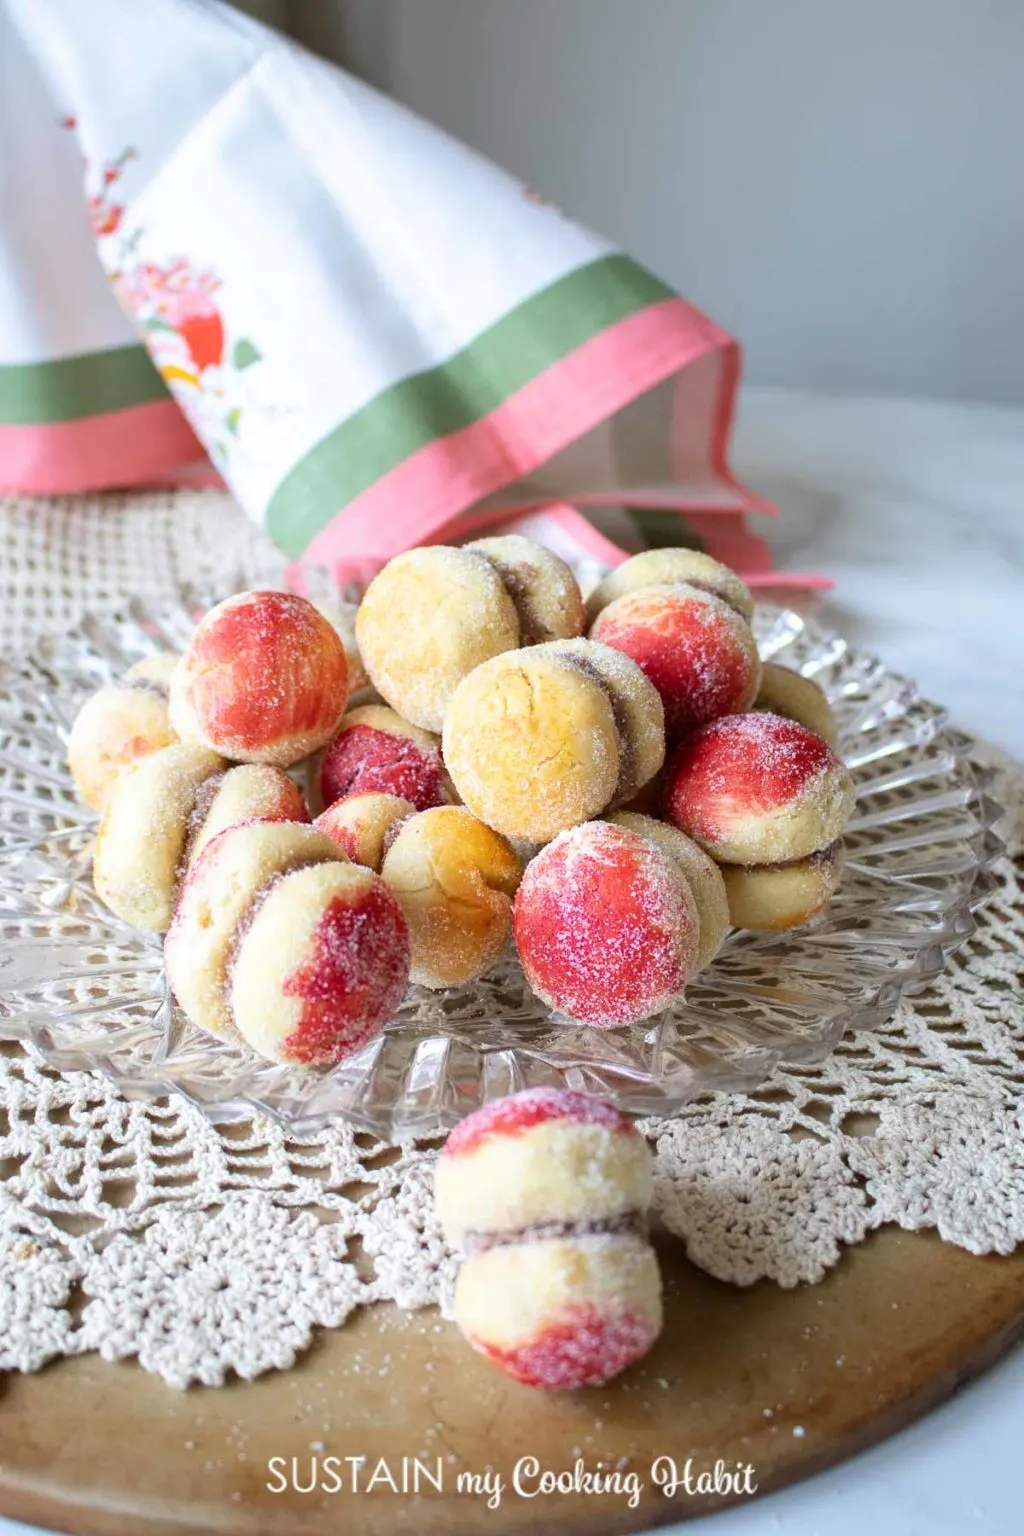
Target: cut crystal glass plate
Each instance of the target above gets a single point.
(89, 992)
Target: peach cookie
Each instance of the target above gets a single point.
(541, 739)
(120, 723)
(263, 680)
(162, 813)
(698, 652)
(454, 879)
(768, 897)
(795, 697)
(606, 926)
(365, 825)
(656, 567)
(543, 588)
(278, 936)
(757, 789)
(429, 617)
(702, 874)
(375, 749)
(545, 1194)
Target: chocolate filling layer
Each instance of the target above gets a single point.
(827, 857)
(626, 1223)
(627, 753)
(148, 685)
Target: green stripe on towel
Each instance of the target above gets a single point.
(427, 406)
(68, 388)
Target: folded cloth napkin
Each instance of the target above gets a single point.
(376, 334)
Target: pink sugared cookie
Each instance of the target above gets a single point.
(541, 1157)
(376, 750)
(263, 680)
(562, 1313)
(698, 652)
(757, 789)
(365, 825)
(701, 873)
(545, 1195)
(606, 926)
(276, 935)
(120, 723)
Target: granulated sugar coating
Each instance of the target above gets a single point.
(141, 840)
(606, 927)
(541, 585)
(531, 743)
(562, 1313)
(264, 680)
(654, 567)
(426, 620)
(323, 966)
(119, 724)
(636, 706)
(521, 1112)
(216, 901)
(757, 789)
(375, 749)
(698, 652)
(365, 825)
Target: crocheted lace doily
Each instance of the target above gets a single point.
(137, 1229)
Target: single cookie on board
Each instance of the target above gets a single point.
(455, 879)
(118, 724)
(545, 1194)
(655, 567)
(606, 927)
(426, 620)
(757, 789)
(698, 652)
(263, 680)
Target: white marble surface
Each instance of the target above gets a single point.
(916, 511)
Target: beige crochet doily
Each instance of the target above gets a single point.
(137, 1229)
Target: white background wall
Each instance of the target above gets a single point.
(840, 182)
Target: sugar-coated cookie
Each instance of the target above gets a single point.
(698, 652)
(768, 897)
(707, 887)
(364, 825)
(540, 584)
(375, 749)
(655, 567)
(545, 1194)
(263, 680)
(279, 937)
(795, 697)
(757, 789)
(538, 740)
(118, 724)
(455, 879)
(606, 927)
(426, 620)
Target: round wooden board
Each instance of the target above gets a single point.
(788, 1381)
